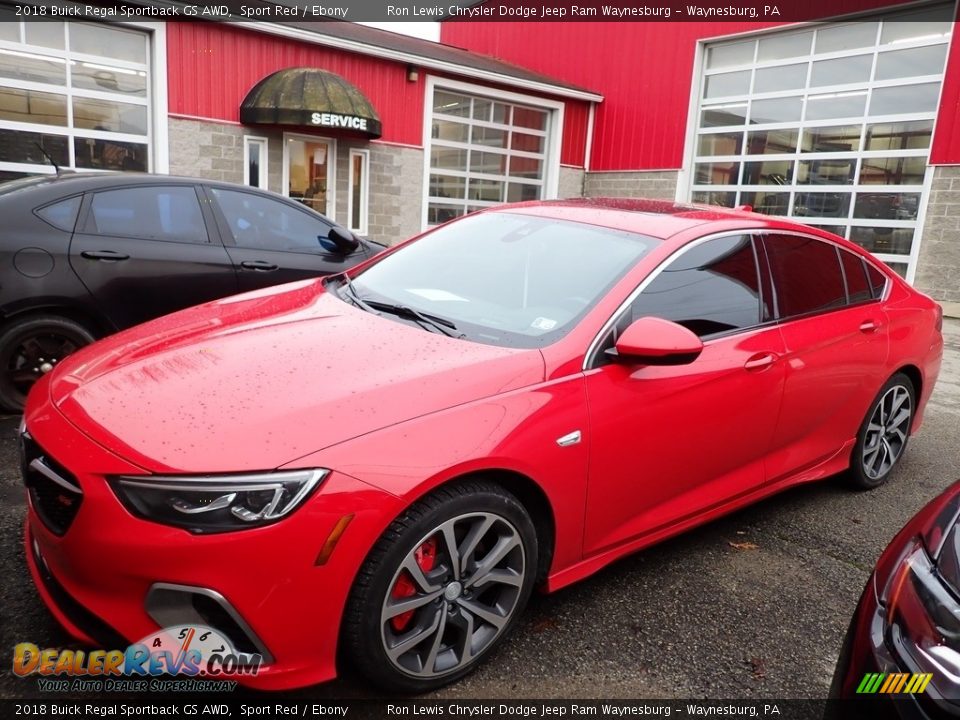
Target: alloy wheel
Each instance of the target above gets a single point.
(35, 355)
(453, 594)
(886, 434)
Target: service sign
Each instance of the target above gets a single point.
(336, 120)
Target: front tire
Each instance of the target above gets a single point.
(441, 588)
(883, 436)
(31, 347)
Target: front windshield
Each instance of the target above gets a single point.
(504, 279)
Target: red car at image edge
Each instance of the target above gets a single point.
(379, 467)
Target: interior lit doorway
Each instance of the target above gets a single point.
(309, 171)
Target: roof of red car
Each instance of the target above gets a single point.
(653, 218)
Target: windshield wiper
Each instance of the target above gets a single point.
(439, 324)
(347, 284)
(373, 306)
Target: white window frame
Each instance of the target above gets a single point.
(156, 136)
(553, 133)
(331, 168)
(364, 190)
(264, 144)
(686, 184)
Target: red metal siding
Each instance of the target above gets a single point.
(946, 139)
(645, 71)
(211, 67)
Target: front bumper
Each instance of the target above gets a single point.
(96, 577)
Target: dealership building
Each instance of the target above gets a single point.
(848, 124)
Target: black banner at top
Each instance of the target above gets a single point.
(769, 11)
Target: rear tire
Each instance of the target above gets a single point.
(419, 618)
(30, 348)
(882, 438)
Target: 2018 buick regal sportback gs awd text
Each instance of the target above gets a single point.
(381, 466)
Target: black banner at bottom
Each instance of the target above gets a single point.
(170, 706)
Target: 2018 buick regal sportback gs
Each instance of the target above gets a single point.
(382, 465)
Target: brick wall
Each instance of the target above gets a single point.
(655, 184)
(938, 268)
(215, 151)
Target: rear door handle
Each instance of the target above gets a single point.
(869, 326)
(760, 361)
(259, 265)
(104, 255)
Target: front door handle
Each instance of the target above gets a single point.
(760, 361)
(111, 255)
(259, 265)
(869, 326)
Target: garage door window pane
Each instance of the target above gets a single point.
(45, 34)
(33, 106)
(911, 63)
(769, 142)
(776, 110)
(740, 53)
(893, 171)
(899, 136)
(710, 289)
(529, 118)
(836, 105)
(887, 206)
(450, 131)
(721, 115)
(782, 77)
(108, 42)
(847, 37)
(806, 275)
(841, 71)
(782, 46)
(96, 154)
(716, 173)
(451, 104)
(106, 115)
(24, 147)
(821, 204)
(154, 213)
(774, 172)
(845, 138)
(904, 99)
(766, 203)
(723, 84)
(448, 158)
(886, 240)
(720, 144)
(447, 186)
(29, 67)
(827, 172)
(99, 76)
(723, 199)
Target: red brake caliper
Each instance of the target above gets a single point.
(426, 557)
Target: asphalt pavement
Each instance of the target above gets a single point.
(753, 605)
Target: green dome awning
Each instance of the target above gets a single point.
(313, 98)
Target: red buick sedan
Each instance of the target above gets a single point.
(382, 465)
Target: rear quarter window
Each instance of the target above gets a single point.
(61, 214)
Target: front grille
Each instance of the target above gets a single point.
(54, 492)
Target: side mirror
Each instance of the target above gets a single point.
(655, 341)
(340, 240)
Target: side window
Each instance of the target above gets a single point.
(62, 215)
(855, 273)
(878, 281)
(806, 275)
(710, 289)
(267, 224)
(170, 213)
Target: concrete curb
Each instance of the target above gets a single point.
(951, 309)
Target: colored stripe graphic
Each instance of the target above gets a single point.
(894, 683)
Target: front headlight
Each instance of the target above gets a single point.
(217, 503)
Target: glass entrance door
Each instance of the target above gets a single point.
(309, 164)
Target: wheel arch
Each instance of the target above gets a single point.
(89, 320)
(915, 376)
